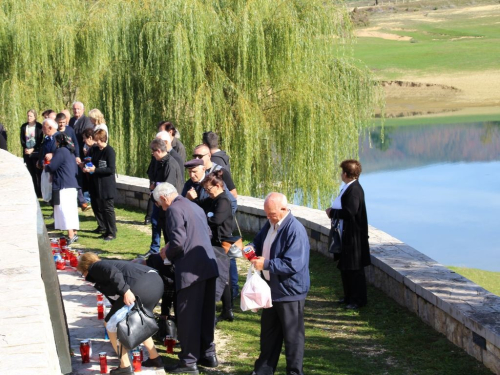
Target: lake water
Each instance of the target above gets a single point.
(437, 188)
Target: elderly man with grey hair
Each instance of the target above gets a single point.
(282, 249)
(190, 250)
(49, 129)
(166, 169)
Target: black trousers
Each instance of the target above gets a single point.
(195, 321)
(105, 214)
(284, 322)
(35, 173)
(354, 283)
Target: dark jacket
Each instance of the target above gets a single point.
(38, 138)
(79, 127)
(288, 265)
(168, 170)
(220, 218)
(221, 158)
(115, 277)
(203, 199)
(180, 149)
(3, 138)
(48, 146)
(64, 169)
(103, 181)
(190, 248)
(71, 133)
(355, 253)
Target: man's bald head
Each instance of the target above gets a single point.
(275, 206)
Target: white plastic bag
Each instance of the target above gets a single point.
(46, 186)
(118, 317)
(255, 294)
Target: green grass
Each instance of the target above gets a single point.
(487, 279)
(382, 338)
(433, 48)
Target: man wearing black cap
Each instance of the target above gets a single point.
(193, 190)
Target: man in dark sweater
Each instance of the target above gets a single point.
(166, 170)
(211, 140)
(79, 122)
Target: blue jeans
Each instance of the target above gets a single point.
(156, 231)
(233, 275)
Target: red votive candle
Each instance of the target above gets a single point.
(100, 310)
(137, 361)
(103, 361)
(85, 351)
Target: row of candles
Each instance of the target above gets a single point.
(62, 253)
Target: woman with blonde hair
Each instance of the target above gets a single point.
(97, 118)
(120, 281)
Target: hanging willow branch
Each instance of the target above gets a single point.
(275, 79)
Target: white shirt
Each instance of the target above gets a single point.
(271, 236)
(337, 203)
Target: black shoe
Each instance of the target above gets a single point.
(122, 371)
(352, 306)
(226, 315)
(157, 362)
(182, 369)
(147, 221)
(208, 361)
(110, 238)
(98, 230)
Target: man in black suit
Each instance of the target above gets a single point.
(191, 252)
(79, 122)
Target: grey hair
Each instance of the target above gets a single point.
(83, 107)
(50, 122)
(164, 136)
(158, 144)
(163, 190)
(276, 197)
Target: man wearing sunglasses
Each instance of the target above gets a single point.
(203, 152)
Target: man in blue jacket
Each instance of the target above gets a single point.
(282, 249)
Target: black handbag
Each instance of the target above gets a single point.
(335, 237)
(137, 326)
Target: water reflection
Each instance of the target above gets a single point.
(437, 188)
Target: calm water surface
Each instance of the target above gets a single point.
(437, 188)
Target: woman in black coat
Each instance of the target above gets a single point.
(220, 220)
(120, 281)
(103, 184)
(31, 140)
(350, 208)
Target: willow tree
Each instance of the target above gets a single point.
(275, 79)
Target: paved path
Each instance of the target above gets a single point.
(80, 304)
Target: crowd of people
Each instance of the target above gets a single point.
(197, 218)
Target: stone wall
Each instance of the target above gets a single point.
(468, 315)
(32, 325)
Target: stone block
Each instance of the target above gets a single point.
(491, 361)
(493, 349)
(132, 202)
(143, 204)
(426, 311)
(454, 331)
(145, 196)
(440, 318)
(472, 348)
(130, 194)
(411, 300)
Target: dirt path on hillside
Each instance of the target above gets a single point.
(440, 93)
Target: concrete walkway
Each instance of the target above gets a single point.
(80, 303)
